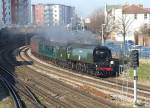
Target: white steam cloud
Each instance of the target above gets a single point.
(60, 34)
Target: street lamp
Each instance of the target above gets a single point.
(103, 25)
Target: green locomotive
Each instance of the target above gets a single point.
(93, 59)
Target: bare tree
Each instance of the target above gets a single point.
(123, 25)
(109, 26)
(97, 19)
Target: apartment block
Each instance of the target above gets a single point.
(52, 14)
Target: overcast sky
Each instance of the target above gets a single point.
(86, 7)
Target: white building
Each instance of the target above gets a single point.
(134, 16)
(57, 14)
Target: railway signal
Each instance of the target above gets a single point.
(135, 65)
(135, 58)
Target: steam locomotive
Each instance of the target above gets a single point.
(91, 59)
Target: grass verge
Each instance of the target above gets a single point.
(143, 72)
(5, 100)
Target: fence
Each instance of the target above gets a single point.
(117, 50)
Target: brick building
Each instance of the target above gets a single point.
(38, 14)
(14, 8)
(143, 39)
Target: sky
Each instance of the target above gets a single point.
(86, 7)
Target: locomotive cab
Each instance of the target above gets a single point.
(101, 54)
(102, 58)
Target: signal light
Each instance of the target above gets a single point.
(134, 58)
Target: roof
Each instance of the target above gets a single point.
(135, 9)
(51, 5)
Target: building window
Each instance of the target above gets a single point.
(135, 16)
(145, 16)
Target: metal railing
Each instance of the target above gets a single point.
(117, 49)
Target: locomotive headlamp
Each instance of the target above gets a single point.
(111, 62)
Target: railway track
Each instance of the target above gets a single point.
(65, 94)
(10, 61)
(56, 100)
(116, 87)
(12, 92)
(74, 82)
(18, 87)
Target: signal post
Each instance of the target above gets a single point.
(135, 85)
(135, 65)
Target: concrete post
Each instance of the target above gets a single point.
(135, 85)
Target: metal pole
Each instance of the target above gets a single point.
(135, 85)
